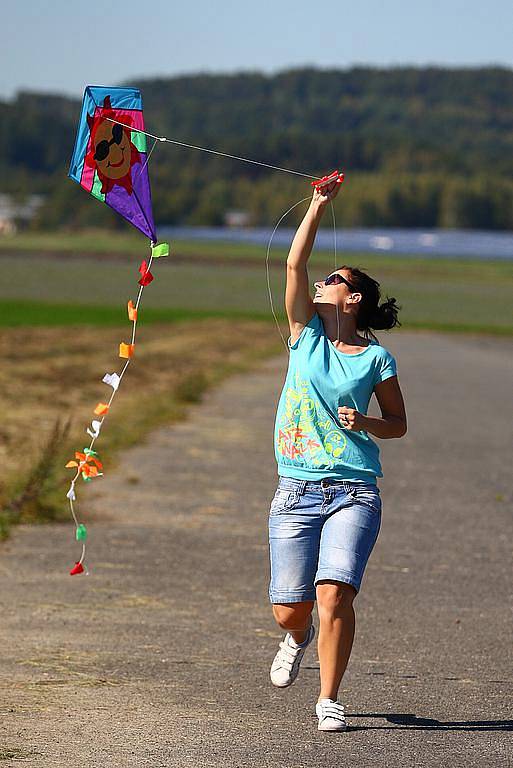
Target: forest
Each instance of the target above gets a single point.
(421, 147)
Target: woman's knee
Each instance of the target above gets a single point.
(293, 615)
(334, 598)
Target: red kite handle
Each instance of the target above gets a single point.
(335, 176)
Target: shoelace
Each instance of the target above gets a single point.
(332, 709)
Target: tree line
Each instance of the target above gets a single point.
(421, 147)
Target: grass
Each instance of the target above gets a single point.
(50, 381)
(33, 313)
(37, 314)
(93, 241)
(440, 295)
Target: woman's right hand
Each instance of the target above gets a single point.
(322, 196)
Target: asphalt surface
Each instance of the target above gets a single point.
(161, 656)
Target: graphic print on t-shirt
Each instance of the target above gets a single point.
(306, 430)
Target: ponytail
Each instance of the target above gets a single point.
(372, 314)
(385, 316)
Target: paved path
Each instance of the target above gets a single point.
(161, 656)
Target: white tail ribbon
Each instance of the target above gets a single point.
(112, 379)
(94, 431)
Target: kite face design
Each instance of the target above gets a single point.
(113, 162)
(109, 159)
(111, 152)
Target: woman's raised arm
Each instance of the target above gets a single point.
(298, 301)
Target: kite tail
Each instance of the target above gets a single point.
(86, 462)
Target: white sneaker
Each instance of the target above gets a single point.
(285, 666)
(331, 715)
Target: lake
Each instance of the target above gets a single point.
(435, 242)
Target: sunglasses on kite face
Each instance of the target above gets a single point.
(336, 279)
(103, 147)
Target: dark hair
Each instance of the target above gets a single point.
(372, 314)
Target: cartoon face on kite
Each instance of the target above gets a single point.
(111, 151)
(110, 159)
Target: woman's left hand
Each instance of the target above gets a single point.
(351, 419)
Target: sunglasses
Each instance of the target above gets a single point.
(103, 147)
(336, 279)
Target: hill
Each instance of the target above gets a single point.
(420, 146)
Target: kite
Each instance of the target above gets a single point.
(110, 161)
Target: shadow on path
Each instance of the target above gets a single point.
(412, 722)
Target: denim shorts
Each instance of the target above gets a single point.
(324, 529)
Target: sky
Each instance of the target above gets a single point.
(60, 46)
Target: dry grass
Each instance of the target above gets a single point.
(50, 382)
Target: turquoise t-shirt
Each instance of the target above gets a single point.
(309, 440)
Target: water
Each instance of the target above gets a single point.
(452, 243)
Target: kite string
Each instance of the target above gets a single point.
(213, 151)
(335, 267)
(145, 162)
(268, 251)
(164, 139)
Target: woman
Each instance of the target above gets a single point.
(325, 516)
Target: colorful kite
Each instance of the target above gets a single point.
(110, 161)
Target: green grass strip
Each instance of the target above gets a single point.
(27, 313)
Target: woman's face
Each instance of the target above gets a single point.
(340, 294)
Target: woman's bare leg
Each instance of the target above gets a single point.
(336, 633)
